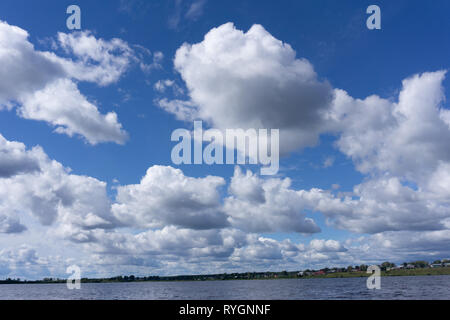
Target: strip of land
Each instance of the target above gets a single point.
(309, 274)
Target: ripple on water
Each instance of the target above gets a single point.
(420, 287)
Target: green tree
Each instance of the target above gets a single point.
(420, 264)
(386, 265)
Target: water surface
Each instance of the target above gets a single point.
(418, 287)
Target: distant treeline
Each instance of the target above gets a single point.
(132, 278)
(438, 267)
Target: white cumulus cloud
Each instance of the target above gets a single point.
(251, 80)
(41, 85)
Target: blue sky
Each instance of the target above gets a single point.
(345, 55)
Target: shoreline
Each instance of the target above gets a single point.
(355, 274)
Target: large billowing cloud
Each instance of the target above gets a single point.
(321, 245)
(251, 80)
(166, 196)
(407, 138)
(386, 204)
(41, 84)
(48, 193)
(10, 224)
(14, 158)
(402, 147)
(63, 105)
(258, 205)
(23, 68)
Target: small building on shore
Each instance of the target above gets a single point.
(436, 265)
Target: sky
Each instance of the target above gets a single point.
(86, 118)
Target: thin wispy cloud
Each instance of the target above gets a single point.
(196, 9)
(190, 10)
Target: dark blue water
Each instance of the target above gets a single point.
(427, 287)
